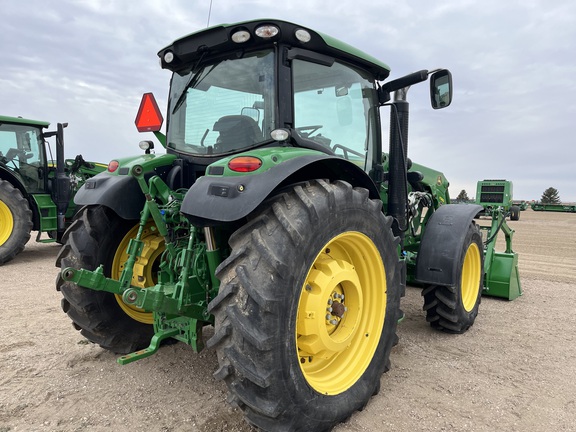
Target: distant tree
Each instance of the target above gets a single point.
(462, 196)
(550, 196)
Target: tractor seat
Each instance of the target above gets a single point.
(236, 132)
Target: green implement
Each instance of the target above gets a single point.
(502, 278)
(553, 207)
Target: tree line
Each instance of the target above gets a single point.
(549, 196)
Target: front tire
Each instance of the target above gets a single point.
(453, 309)
(308, 305)
(99, 236)
(15, 222)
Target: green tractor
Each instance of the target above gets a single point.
(276, 220)
(35, 193)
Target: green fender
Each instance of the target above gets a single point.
(119, 190)
(213, 200)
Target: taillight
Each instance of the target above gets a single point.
(245, 164)
(113, 166)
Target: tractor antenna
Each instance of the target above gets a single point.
(209, 13)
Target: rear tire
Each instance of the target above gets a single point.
(15, 222)
(93, 239)
(453, 309)
(286, 365)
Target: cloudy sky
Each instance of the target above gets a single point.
(87, 62)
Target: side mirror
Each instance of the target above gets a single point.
(441, 89)
(344, 111)
(251, 112)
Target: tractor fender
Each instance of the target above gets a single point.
(120, 193)
(442, 243)
(8, 175)
(15, 181)
(214, 200)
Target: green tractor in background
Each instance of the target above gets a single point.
(35, 193)
(277, 217)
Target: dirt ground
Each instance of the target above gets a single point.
(515, 370)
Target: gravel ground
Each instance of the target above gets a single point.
(515, 370)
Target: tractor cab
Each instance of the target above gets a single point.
(266, 84)
(257, 85)
(22, 152)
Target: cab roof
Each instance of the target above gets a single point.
(23, 121)
(215, 40)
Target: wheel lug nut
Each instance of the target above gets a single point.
(329, 309)
(328, 316)
(333, 322)
(330, 301)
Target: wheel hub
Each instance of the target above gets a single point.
(7, 225)
(341, 312)
(145, 268)
(328, 335)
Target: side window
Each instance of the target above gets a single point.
(22, 151)
(21, 144)
(32, 147)
(7, 142)
(332, 106)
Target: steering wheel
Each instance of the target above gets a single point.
(346, 151)
(13, 153)
(301, 130)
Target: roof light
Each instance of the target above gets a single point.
(113, 166)
(267, 31)
(168, 56)
(279, 134)
(240, 36)
(303, 36)
(245, 164)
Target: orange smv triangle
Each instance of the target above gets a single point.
(149, 117)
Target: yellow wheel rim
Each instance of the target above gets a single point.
(341, 313)
(471, 273)
(6, 223)
(145, 269)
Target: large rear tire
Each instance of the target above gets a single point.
(15, 222)
(453, 309)
(99, 236)
(308, 306)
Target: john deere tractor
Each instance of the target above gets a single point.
(35, 192)
(275, 218)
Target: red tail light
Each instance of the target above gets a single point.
(245, 164)
(113, 166)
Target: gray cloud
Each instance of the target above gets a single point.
(513, 116)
